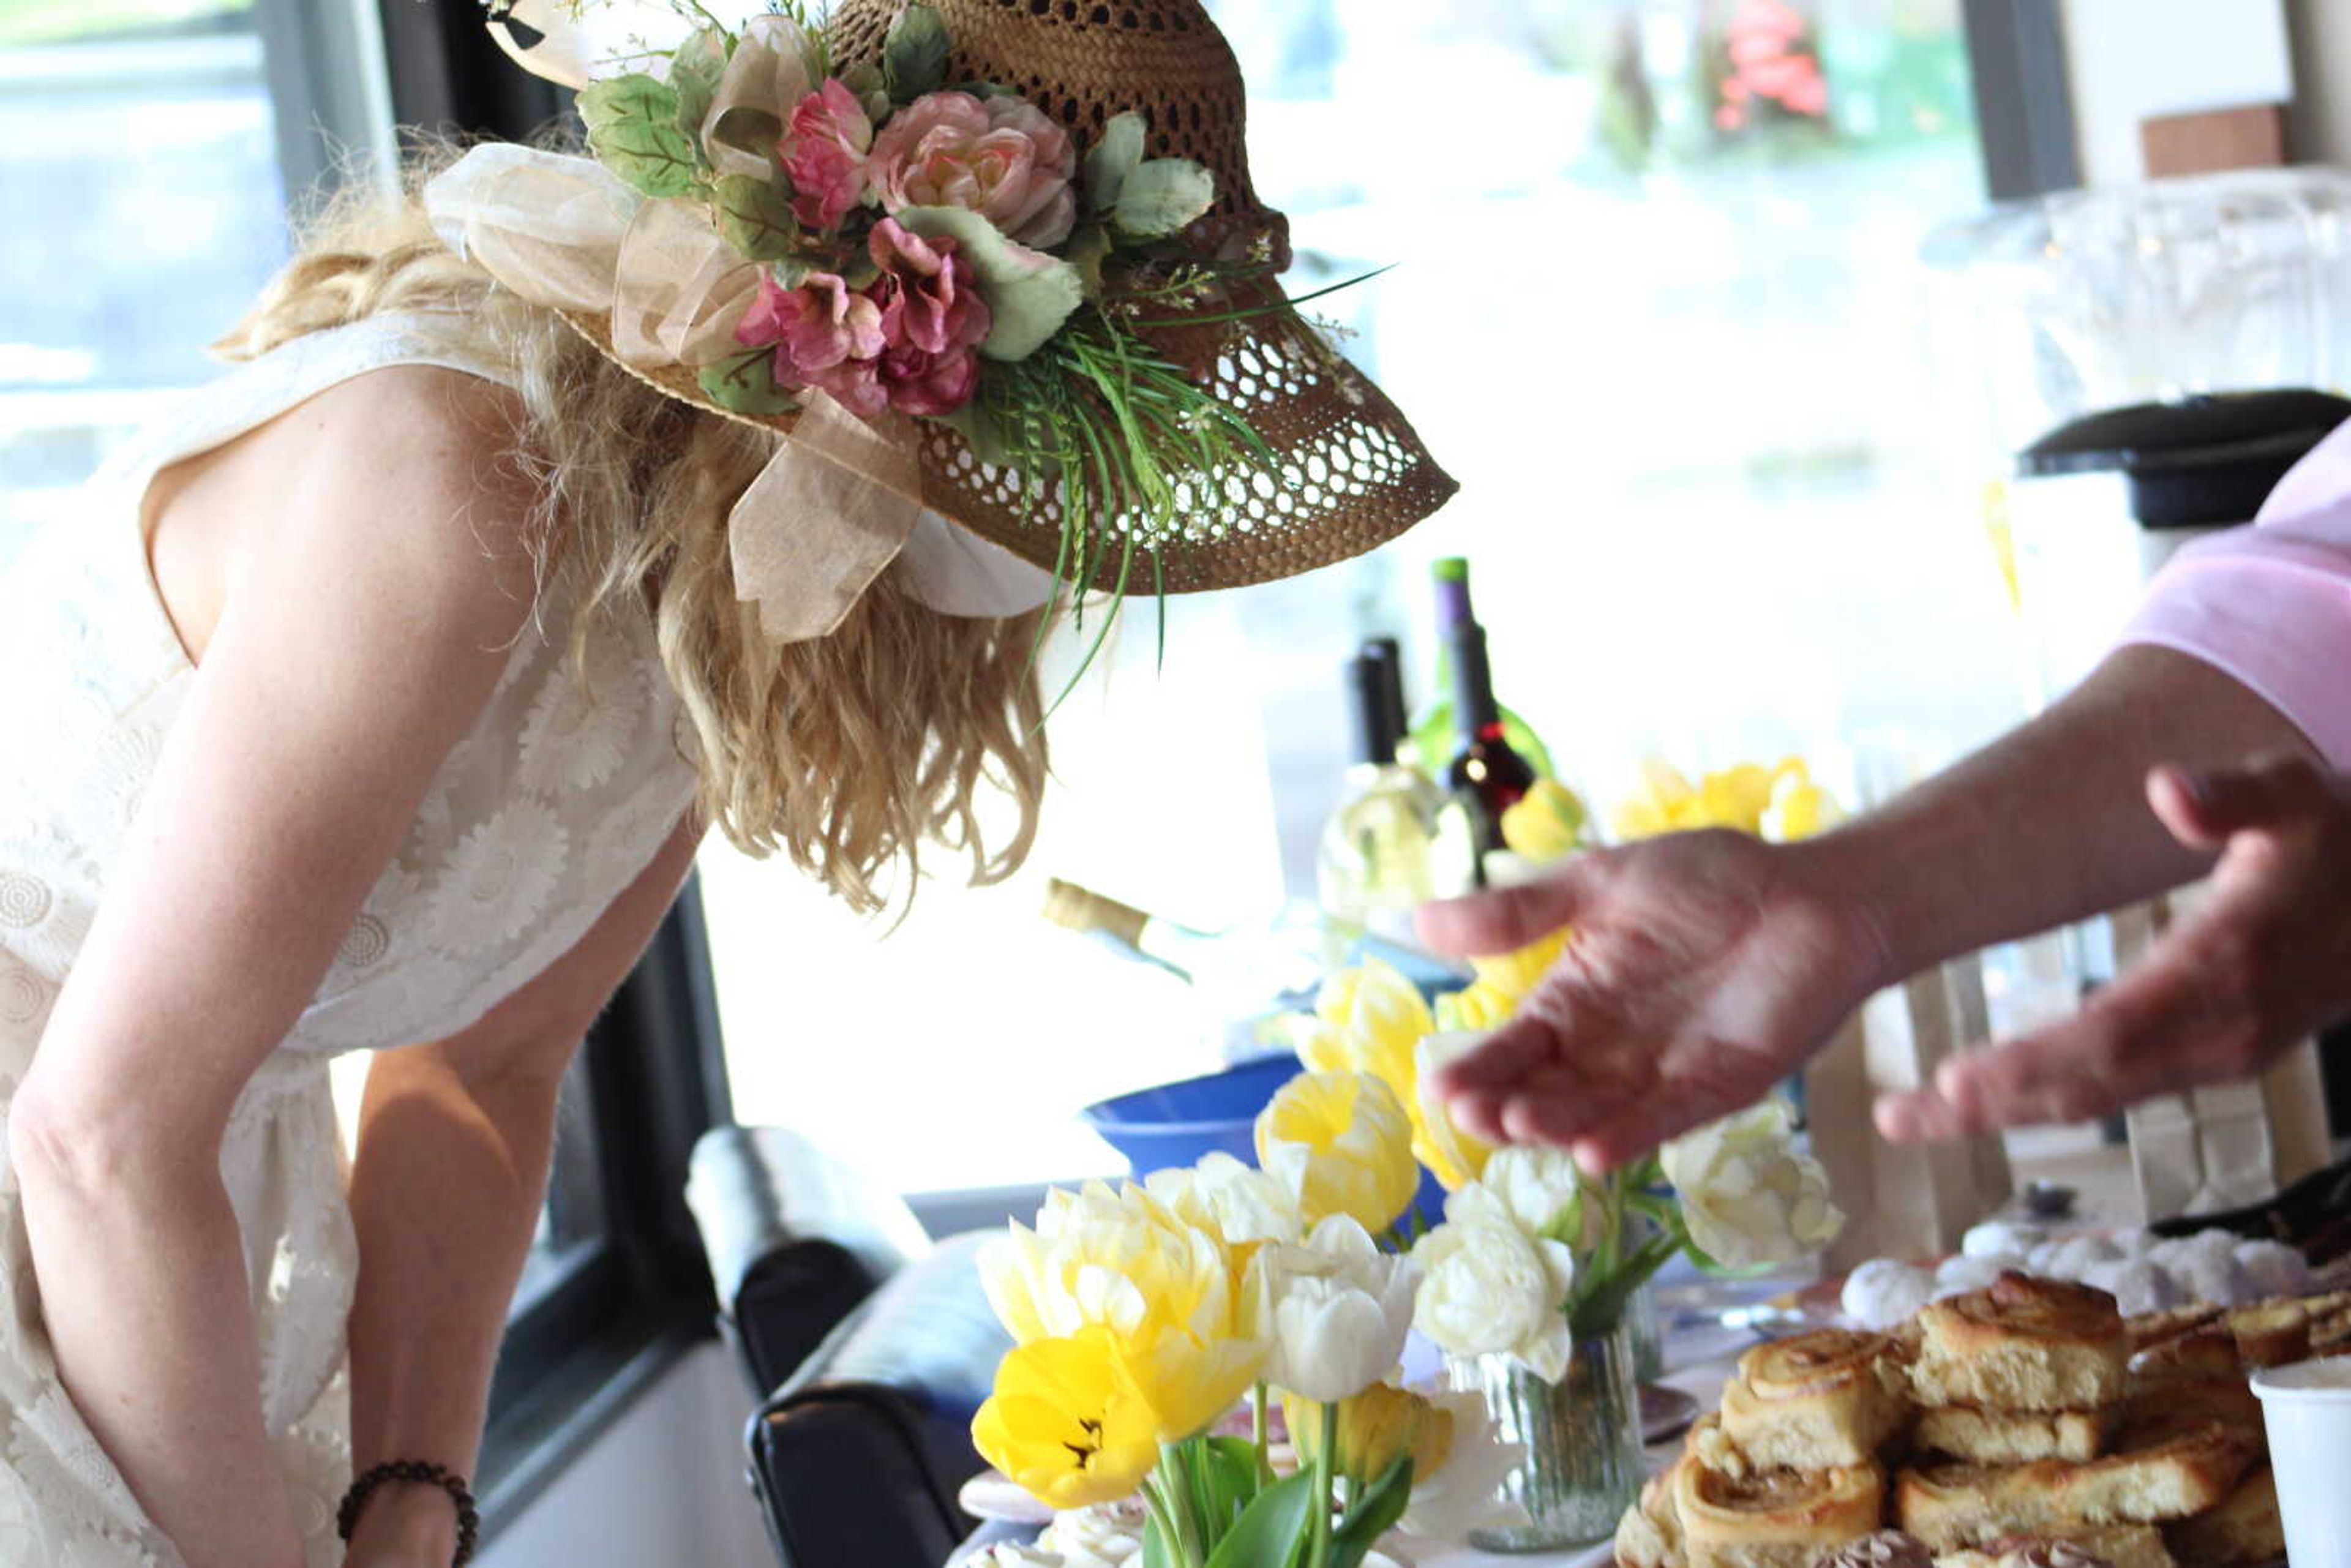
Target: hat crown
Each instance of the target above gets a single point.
(1084, 61)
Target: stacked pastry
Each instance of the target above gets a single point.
(2026, 1421)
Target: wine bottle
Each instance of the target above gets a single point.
(1242, 969)
(1486, 775)
(1431, 734)
(1373, 869)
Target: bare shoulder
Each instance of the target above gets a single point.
(404, 482)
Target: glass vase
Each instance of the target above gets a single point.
(1581, 1437)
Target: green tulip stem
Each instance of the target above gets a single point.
(1182, 1525)
(1318, 1518)
(1258, 1436)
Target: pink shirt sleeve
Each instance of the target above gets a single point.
(2269, 604)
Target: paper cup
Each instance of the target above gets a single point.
(2307, 1408)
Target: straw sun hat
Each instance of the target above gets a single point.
(1332, 468)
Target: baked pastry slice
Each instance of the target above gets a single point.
(2331, 1336)
(1772, 1518)
(2272, 1334)
(2014, 1437)
(2154, 1327)
(1650, 1535)
(1953, 1506)
(2200, 1355)
(1815, 1401)
(2113, 1545)
(2021, 1344)
(2164, 1412)
(2243, 1531)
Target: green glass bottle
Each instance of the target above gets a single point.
(1434, 734)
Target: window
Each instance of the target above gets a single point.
(1702, 493)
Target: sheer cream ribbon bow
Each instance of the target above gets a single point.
(840, 499)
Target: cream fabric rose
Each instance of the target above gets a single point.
(1748, 1196)
(1492, 1286)
(1341, 1309)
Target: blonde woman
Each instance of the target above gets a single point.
(378, 703)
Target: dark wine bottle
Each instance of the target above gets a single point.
(1487, 776)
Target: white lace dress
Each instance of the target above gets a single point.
(546, 810)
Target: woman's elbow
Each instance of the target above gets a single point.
(68, 1144)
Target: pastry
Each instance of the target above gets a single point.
(1815, 1401)
(2022, 1344)
(2272, 1334)
(2014, 1437)
(2331, 1336)
(1967, 1505)
(1772, 1518)
(2163, 1412)
(1885, 1549)
(2243, 1531)
(2200, 1355)
(2114, 1546)
(1649, 1536)
(2154, 1327)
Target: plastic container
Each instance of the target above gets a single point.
(2307, 1408)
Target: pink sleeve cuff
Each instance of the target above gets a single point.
(2270, 607)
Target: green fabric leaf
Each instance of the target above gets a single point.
(745, 383)
(1028, 292)
(694, 73)
(756, 216)
(1161, 196)
(1373, 1513)
(1087, 250)
(1268, 1527)
(632, 127)
(914, 55)
(1114, 156)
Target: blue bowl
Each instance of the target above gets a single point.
(1171, 1126)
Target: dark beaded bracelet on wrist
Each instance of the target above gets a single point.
(469, 1520)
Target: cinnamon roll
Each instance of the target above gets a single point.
(1955, 1506)
(2115, 1546)
(1815, 1401)
(2243, 1531)
(1772, 1518)
(2014, 1437)
(2021, 1344)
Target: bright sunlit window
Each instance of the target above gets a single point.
(1705, 495)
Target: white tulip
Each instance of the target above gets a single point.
(1227, 1198)
(1748, 1196)
(1536, 1184)
(1462, 1494)
(1492, 1286)
(1341, 1309)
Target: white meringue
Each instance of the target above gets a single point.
(2275, 1269)
(2135, 1283)
(1883, 1291)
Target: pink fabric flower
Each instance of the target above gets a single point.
(933, 320)
(825, 336)
(998, 157)
(824, 151)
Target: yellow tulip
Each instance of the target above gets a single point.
(1546, 823)
(1376, 1428)
(1452, 1155)
(1735, 797)
(1118, 1259)
(1374, 1017)
(1664, 804)
(1340, 1143)
(1514, 974)
(1068, 1421)
(1798, 807)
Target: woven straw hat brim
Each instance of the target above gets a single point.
(1348, 473)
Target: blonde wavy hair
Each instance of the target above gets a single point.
(846, 752)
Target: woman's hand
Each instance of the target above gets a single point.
(2262, 961)
(405, 1525)
(1703, 968)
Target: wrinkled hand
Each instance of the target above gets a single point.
(1704, 968)
(2262, 961)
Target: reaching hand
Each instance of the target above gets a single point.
(2261, 963)
(1704, 968)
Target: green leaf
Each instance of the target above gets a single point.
(745, 383)
(1373, 1513)
(1088, 249)
(1114, 155)
(632, 127)
(1161, 196)
(1154, 1546)
(914, 55)
(694, 73)
(1268, 1527)
(1028, 292)
(756, 216)
(1228, 1467)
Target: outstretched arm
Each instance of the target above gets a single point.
(454, 1147)
(361, 633)
(1706, 967)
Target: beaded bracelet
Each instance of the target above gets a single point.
(469, 1518)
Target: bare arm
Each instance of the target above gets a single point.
(1706, 965)
(360, 634)
(454, 1147)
